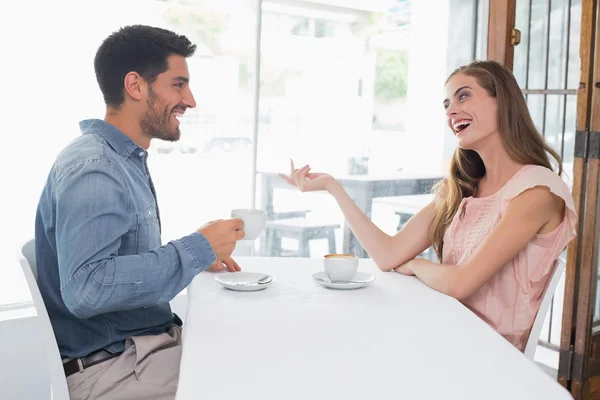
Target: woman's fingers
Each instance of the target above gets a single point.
(297, 174)
(297, 177)
(303, 173)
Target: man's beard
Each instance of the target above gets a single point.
(156, 124)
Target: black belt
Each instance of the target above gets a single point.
(99, 356)
(92, 359)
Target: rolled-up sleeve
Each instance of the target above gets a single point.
(93, 214)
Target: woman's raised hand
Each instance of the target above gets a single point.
(308, 181)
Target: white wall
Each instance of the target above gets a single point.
(427, 73)
(23, 373)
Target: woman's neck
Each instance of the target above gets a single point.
(499, 167)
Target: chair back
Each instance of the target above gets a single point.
(536, 328)
(58, 381)
(28, 251)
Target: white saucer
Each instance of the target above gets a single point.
(359, 276)
(243, 281)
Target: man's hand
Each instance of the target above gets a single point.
(229, 263)
(223, 235)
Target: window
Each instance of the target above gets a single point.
(198, 179)
(344, 86)
(361, 100)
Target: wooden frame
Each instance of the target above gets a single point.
(502, 14)
(585, 385)
(582, 255)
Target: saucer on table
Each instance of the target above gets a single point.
(243, 281)
(359, 280)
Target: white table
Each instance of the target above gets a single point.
(394, 339)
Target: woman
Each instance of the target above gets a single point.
(498, 222)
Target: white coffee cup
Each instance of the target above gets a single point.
(340, 267)
(254, 221)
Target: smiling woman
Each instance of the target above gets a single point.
(464, 112)
(486, 111)
(498, 222)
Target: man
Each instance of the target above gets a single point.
(104, 275)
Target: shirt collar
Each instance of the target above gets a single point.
(119, 141)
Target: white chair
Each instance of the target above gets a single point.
(536, 329)
(58, 382)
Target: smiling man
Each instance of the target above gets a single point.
(104, 274)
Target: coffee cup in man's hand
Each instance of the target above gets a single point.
(223, 235)
(254, 221)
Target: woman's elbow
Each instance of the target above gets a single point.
(384, 262)
(385, 266)
(456, 293)
(459, 291)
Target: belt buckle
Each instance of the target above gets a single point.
(72, 366)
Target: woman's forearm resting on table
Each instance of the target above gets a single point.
(524, 218)
(445, 278)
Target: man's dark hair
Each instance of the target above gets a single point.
(139, 48)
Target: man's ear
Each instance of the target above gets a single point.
(134, 85)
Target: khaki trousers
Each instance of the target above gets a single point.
(147, 369)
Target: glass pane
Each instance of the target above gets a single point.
(201, 177)
(554, 121)
(352, 98)
(574, 37)
(557, 58)
(465, 11)
(521, 51)
(481, 36)
(195, 182)
(568, 149)
(563, 141)
(535, 102)
(538, 47)
(534, 35)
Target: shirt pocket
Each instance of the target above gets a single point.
(148, 230)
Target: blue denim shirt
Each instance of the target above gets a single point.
(102, 271)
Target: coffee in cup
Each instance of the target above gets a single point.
(340, 267)
(254, 221)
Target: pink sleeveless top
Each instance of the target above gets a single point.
(509, 301)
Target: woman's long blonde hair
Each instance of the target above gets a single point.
(519, 136)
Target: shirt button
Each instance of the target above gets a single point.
(141, 154)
